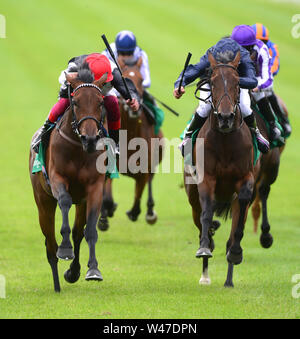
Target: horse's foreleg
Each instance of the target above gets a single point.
(47, 209)
(94, 202)
(266, 238)
(245, 190)
(73, 273)
(151, 216)
(256, 211)
(140, 182)
(206, 193)
(65, 250)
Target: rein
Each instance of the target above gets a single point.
(75, 124)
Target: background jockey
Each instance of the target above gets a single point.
(246, 37)
(224, 51)
(99, 65)
(262, 33)
(125, 45)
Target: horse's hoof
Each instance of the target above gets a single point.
(93, 274)
(266, 240)
(216, 224)
(234, 258)
(151, 219)
(64, 253)
(70, 277)
(131, 216)
(228, 284)
(103, 224)
(203, 253)
(204, 281)
(111, 211)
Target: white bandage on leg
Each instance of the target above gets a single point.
(204, 107)
(245, 103)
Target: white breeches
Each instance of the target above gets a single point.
(245, 103)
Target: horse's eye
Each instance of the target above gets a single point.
(75, 103)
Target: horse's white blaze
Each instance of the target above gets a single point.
(132, 74)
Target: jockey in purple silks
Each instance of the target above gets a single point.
(246, 37)
(224, 51)
(262, 33)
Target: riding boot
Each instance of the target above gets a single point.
(196, 123)
(40, 134)
(262, 143)
(266, 110)
(283, 119)
(114, 135)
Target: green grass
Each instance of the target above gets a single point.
(149, 272)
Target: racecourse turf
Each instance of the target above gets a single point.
(149, 271)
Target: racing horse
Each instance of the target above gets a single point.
(229, 172)
(269, 171)
(70, 161)
(136, 125)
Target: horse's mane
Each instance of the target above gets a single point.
(85, 74)
(224, 57)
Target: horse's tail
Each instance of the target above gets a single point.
(223, 209)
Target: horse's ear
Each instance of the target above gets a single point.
(101, 81)
(121, 62)
(139, 62)
(212, 60)
(236, 60)
(72, 79)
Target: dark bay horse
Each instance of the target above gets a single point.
(136, 125)
(269, 171)
(229, 172)
(71, 166)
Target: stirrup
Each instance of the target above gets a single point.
(262, 143)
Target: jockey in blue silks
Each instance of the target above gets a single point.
(224, 51)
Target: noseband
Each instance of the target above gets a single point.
(75, 123)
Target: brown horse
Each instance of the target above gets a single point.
(269, 171)
(229, 173)
(73, 178)
(136, 125)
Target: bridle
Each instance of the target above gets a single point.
(209, 99)
(75, 123)
(226, 94)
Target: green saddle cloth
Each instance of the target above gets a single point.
(254, 141)
(274, 143)
(158, 113)
(39, 164)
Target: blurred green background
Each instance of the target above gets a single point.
(149, 272)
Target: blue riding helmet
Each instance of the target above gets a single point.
(125, 42)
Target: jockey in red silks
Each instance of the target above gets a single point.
(262, 33)
(99, 65)
(246, 37)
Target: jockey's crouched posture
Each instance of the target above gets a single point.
(262, 33)
(248, 81)
(246, 37)
(99, 65)
(125, 45)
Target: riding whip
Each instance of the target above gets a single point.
(187, 61)
(166, 106)
(116, 62)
